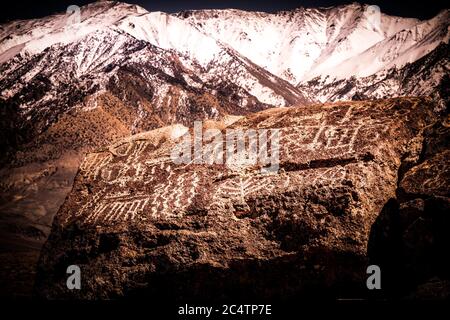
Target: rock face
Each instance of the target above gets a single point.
(139, 224)
(410, 238)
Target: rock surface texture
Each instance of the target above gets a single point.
(410, 238)
(140, 225)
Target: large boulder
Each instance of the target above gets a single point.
(141, 222)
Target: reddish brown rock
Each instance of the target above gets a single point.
(138, 224)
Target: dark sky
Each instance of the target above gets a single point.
(424, 9)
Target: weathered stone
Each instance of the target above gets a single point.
(429, 178)
(138, 224)
(410, 239)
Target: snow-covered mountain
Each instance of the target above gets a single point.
(253, 52)
(428, 76)
(338, 42)
(173, 35)
(163, 68)
(340, 53)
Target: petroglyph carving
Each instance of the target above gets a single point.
(123, 173)
(348, 115)
(94, 163)
(170, 198)
(341, 136)
(121, 150)
(372, 132)
(313, 176)
(101, 165)
(89, 205)
(120, 208)
(329, 174)
(171, 190)
(242, 187)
